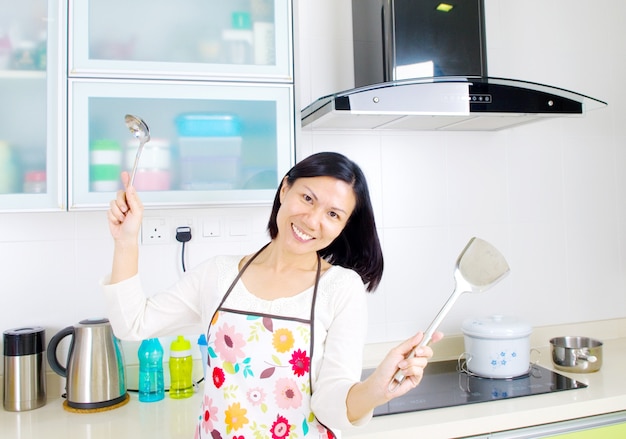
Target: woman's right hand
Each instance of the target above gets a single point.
(125, 213)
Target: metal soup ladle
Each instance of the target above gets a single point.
(479, 267)
(139, 130)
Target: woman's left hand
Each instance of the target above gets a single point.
(380, 386)
(412, 367)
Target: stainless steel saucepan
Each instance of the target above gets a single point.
(576, 354)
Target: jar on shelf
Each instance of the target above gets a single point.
(263, 31)
(35, 182)
(153, 170)
(238, 40)
(105, 165)
(8, 169)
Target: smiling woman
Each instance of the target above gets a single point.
(340, 176)
(285, 325)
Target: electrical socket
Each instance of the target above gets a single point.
(155, 231)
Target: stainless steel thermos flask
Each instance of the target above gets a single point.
(24, 369)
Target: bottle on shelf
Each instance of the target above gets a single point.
(151, 386)
(8, 169)
(181, 364)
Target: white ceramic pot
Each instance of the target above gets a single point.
(497, 346)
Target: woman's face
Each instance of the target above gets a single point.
(313, 212)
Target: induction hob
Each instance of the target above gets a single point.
(443, 385)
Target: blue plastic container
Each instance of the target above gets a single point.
(151, 384)
(208, 125)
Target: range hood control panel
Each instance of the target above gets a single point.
(483, 98)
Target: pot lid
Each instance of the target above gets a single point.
(496, 326)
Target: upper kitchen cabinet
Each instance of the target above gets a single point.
(210, 143)
(237, 40)
(212, 80)
(31, 108)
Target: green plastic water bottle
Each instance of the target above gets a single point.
(181, 365)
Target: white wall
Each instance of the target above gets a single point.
(548, 195)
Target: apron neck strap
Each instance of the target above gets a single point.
(247, 264)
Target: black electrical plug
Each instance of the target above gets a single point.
(183, 234)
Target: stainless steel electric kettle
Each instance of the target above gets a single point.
(94, 371)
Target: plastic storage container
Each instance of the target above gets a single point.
(181, 367)
(210, 151)
(105, 165)
(153, 170)
(35, 182)
(151, 386)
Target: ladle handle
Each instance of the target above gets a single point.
(136, 164)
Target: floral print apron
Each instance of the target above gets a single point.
(258, 382)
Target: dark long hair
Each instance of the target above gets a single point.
(358, 246)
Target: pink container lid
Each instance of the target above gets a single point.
(35, 176)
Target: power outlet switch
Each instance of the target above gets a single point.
(154, 231)
(211, 228)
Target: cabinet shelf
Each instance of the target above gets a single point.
(23, 74)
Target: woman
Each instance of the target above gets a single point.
(285, 325)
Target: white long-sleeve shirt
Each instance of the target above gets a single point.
(189, 304)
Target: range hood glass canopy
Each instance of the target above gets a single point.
(395, 39)
(445, 103)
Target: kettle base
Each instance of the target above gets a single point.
(95, 407)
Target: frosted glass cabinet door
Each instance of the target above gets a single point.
(210, 143)
(31, 147)
(232, 39)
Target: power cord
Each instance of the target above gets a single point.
(183, 234)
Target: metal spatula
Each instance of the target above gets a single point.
(479, 266)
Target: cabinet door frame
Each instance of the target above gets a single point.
(80, 65)
(55, 197)
(81, 90)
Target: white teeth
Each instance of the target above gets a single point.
(300, 233)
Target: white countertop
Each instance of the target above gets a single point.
(172, 419)
(606, 393)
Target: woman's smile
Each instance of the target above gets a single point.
(300, 234)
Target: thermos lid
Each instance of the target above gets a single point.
(24, 341)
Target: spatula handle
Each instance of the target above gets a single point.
(428, 335)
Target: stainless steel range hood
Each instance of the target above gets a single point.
(445, 103)
(395, 40)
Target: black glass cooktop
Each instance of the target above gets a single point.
(444, 385)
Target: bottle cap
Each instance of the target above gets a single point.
(181, 347)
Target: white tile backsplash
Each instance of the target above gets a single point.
(550, 195)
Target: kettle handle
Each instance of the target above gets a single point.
(52, 350)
